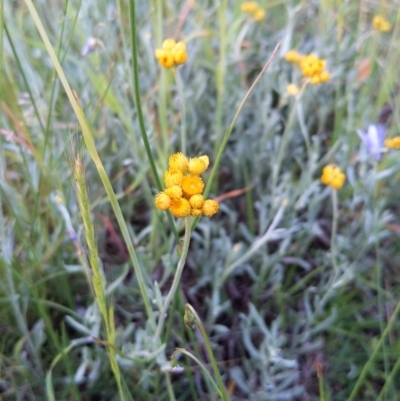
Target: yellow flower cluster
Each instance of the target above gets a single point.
(183, 195)
(171, 54)
(333, 176)
(310, 65)
(393, 143)
(252, 8)
(380, 23)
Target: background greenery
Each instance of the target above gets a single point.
(291, 305)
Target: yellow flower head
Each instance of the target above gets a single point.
(196, 212)
(171, 54)
(205, 159)
(174, 192)
(180, 207)
(192, 185)
(168, 44)
(292, 90)
(210, 207)
(380, 23)
(292, 56)
(197, 166)
(311, 65)
(172, 177)
(196, 201)
(259, 14)
(249, 6)
(183, 195)
(333, 176)
(162, 201)
(393, 143)
(178, 161)
(165, 58)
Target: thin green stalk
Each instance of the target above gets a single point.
(181, 96)
(224, 395)
(1, 48)
(220, 73)
(228, 131)
(170, 387)
(374, 353)
(378, 272)
(285, 139)
(389, 380)
(335, 215)
(49, 380)
(322, 395)
(177, 278)
(135, 69)
(90, 144)
(98, 281)
(202, 367)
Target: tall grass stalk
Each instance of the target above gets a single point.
(181, 96)
(189, 310)
(98, 280)
(371, 359)
(135, 71)
(90, 144)
(220, 73)
(177, 278)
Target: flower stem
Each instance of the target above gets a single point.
(177, 278)
(181, 97)
(221, 385)
(335, 215)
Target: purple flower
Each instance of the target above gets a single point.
(373, 139)
(90, 46)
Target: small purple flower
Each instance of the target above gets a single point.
(73, 236)
(90, 46)
(373, 139)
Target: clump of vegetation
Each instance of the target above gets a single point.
(263, 267)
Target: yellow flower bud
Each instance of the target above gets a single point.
(162, 201)
(333, 176)
(259, 15)
(205, 159)
(210, 207)
(165, 58)
(196, 212)
(178, 161)
(168, 44)
(172, 177)
(248, 6)
(192, 185)
(180, 57)
(180, 207)
(292, 56)
(197, 166)
(196, 201)
(174, 192)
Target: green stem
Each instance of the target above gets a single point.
(90, 144)
(177, 278)
(285, 139)
(335, 215)
(220, 74)
(228, 131)
(135, 71)
(202, 367)
(374, 353)
(181, 97)
(221, 385)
